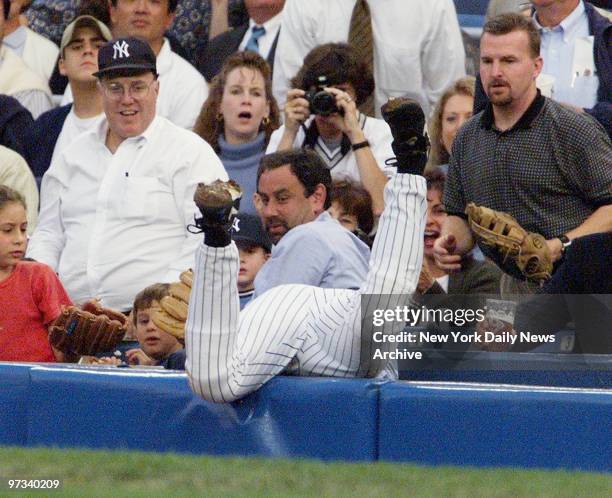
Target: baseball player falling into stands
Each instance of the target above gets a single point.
(300, 329)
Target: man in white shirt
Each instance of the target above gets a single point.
(259, 35)
(38, 53)
(56, 129)
(120, 197)
(19, 81)
(418, 50)
(182, 90)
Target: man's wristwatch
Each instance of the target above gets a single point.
(565, 242)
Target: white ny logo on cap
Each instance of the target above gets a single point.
(235, 224)
(120, 49)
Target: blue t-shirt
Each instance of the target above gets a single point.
(320, 253)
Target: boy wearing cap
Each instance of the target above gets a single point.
(121, 195)
(56, 129)
(254, 247)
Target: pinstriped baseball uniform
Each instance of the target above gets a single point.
(300, 329)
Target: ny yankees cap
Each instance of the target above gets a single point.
(248, 228)
(84, 22)
(125, 56)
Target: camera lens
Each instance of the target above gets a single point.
(323, 103)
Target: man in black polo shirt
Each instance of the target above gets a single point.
(546, 165)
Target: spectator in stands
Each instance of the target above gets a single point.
(117, 202)
(56, 129)
(157, 347)
(292, 197)
(19, 81)
(525, 154)
(259, 34)
(238, 119)
(182, 90)
(577, 51)
(15, 122)
(414, 47)
(38, 53)
(352, 206)
(452, 110)
(15, 173)
(254, 247)
(351, 144)
(31, 295)
(475, 277)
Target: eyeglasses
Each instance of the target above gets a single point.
(137, 90)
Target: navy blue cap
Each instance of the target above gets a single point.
(248, 228)
(126, 56)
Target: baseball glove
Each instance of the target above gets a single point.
(527, 251)
(172, 315)
(88, 330)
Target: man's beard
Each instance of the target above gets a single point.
(276, 236)
(501, 100)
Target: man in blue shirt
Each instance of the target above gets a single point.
(310, 246)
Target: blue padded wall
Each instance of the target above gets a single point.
(289, 417)
(14, 393)
(487, 425)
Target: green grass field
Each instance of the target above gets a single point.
(104, 473)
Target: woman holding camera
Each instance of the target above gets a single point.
(238, 119)
(321, 114)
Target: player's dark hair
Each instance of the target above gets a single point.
(507, 23)
(172, 4)
(305, 164)
(339, 63)
(145, 298)
(356, 201)
(8, 195)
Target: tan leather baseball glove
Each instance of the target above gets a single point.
(501, 232)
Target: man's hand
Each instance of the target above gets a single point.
(555, 247)
(444, 253)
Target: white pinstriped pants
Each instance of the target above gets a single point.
(299, 329)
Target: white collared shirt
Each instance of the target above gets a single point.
(418, 49)
(267, 39)
(112, 224)
(567, 50)
(182, 89)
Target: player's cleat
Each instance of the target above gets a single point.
(410, 143)
(219, 203)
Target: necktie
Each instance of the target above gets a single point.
(361, 38)
(256, 33)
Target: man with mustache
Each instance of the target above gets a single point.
(545, 164)
(310, 247)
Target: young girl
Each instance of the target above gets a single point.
(31, 295)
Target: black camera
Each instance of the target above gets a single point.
(321, 102)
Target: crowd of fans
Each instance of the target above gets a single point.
(111, 114)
